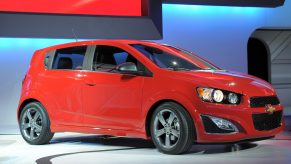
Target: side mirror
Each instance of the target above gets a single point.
(128, 68)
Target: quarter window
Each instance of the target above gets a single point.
(69, 58)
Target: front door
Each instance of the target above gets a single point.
(112, 100)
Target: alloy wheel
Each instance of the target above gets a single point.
(167, 128)
(31, 124)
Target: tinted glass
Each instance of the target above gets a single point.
(106, 58)
(69, 58)
(171, 61)
(197, 60)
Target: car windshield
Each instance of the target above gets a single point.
(174, 59)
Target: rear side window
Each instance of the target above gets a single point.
(69, 58)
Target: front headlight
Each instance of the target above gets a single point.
(205, 93)
(218, 96)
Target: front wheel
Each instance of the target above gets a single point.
(172, 129)
(34, 124)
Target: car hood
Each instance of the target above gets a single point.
(231, 81)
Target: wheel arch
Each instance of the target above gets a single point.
(152, 109)
(23, 104)
(45, 100)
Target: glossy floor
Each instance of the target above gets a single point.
(78, 148)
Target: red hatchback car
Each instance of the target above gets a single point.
(146, 90)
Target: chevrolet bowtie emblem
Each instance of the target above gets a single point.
(270, 109)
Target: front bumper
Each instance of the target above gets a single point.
(242, 117)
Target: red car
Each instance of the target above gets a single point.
(146, 90)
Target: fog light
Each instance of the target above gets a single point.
(232, 98)
(223, 124)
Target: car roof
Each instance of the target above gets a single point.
(90, 42)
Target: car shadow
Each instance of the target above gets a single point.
(105, 140)
(134, 144)
(137, 143)
(220, 148)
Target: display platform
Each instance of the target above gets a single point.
(84, 148)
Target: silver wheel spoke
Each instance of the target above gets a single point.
(171, 118)
(175, 133)
(32, 133)
(25, 126)
(160, 132)
(37, 128)
(28, 115)
(36, 116)
(167, 142)
(161, 119)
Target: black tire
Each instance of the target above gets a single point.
(40, 126)
(181, 123)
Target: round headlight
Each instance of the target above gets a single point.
(232, 98)
(218, 96)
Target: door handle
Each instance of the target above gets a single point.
(90, 83)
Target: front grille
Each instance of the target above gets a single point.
(263, 101)
(265, 121)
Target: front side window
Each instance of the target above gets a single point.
(106, 58)
(69, 58)
(171, 61)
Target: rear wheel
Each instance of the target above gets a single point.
(172, 129)
(35, 124)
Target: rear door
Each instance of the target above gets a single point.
(63, 83)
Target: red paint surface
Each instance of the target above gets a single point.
(118, 104)
(86, 7)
